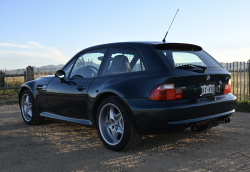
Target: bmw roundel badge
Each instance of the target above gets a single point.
(208, 77)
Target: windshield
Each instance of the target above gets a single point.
(198, 58)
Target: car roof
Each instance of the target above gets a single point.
(146, 48)
(129, 42)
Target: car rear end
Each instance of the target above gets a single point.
(198, 95)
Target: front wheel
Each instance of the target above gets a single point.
(115, 126)
(28, 109)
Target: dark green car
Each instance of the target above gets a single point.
(133, 88)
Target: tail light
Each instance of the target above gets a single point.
(166, 92)
(228, 87)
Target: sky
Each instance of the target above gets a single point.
(38, 33)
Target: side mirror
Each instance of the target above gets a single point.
(60, 74)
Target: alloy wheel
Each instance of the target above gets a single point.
(111, 124)
(26, 107)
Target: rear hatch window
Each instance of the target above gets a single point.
(186, 56)
(191, 58)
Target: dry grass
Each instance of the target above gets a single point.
(10, 96)
(241, 88)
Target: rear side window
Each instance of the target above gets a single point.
(201, 58)
(123, 60)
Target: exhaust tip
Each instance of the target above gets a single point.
(225, 120)
(222, 121)
(228, 120)
(195, 127)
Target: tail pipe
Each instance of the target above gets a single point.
(222, 121)
(195, 127)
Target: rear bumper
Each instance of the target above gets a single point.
(168, 117)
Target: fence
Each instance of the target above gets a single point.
(3, 76)
(14, 78)
(239, 76)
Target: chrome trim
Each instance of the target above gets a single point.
(63, 118)
(201, 118)
(41, 87)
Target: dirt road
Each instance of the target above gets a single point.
(56, 146)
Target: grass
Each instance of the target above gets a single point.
(243, 106)
(8, 97)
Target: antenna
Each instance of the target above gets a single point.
(169, 27)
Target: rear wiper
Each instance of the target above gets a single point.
(185, 67)
(191, 66)
(202, 67)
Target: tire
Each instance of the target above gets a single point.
(28, 109)
(115, 126)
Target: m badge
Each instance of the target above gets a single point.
(208, 77)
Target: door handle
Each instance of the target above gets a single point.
(80, 88)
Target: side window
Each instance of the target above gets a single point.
(87, 65)
(122, 60)
(67, 69)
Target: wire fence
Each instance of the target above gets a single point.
(38, 72)
(239, 76)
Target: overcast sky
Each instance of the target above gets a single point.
(44, 32)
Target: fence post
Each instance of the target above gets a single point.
(25, 79)
(237, 80)
(249, 75)
(240, 80)
(247, 79)
(244, 79)
(233, 77)
(29, 73)
(2, 84)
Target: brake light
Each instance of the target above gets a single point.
(166, 92)
(228, 87)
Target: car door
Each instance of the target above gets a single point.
(68, 98)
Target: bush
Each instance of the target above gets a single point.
(243, 106)
(9, 97)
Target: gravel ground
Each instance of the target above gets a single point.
(56, 146)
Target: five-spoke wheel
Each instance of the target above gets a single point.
(111, 124)
(26, 106)
(28, 109)
(115, 126)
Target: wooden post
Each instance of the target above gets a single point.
(25, 79)
(2, 84)
(29, 73)
(249, 75)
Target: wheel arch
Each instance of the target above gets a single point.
(104, 96)
(22, 89)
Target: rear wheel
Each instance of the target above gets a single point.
(28, 109)
(115, 126)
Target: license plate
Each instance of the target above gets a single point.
(207, 89)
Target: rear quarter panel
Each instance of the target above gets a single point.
(132, 85)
